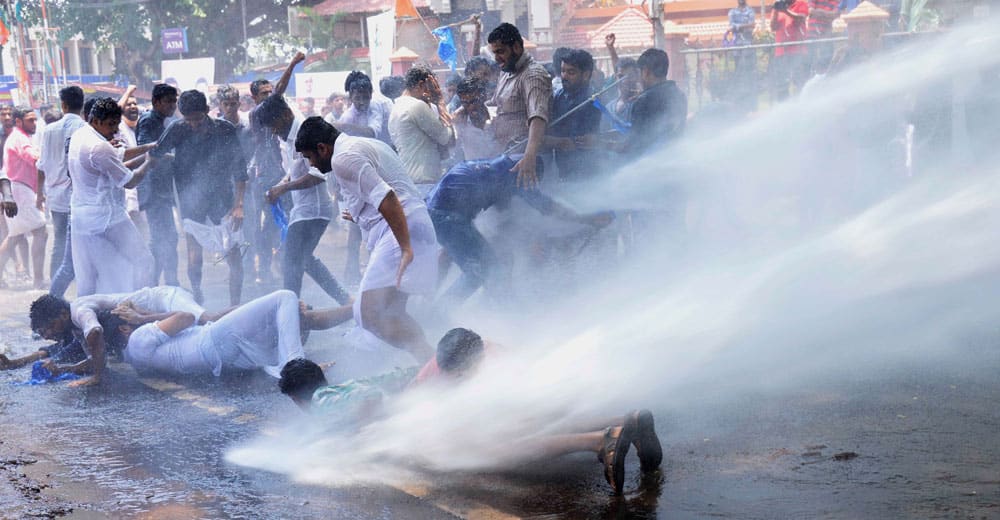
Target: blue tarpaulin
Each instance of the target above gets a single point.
(446, 46)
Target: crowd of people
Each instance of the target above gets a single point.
(257, 180)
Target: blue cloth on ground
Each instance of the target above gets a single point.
(41, 375)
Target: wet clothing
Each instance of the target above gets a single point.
(352, 394)
(418, 134)
(658, 118)
(157, 187)
(376, 117)
(67, 351)
(263, 333)
(520, 97)
(84, 311)
(206, 165)
(55, 146)
(580, 163)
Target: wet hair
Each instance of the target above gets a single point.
(471, 85)
(459, 350)
(20, 111)
(475, 63)
(45, 309)
(113, 337)
(506, 34)
(191, 101)
(357, 80)
(558, 56)
(162, 90)
(313, 132)
(580, 59)
(655, 61)
(227, 92)
(51, 116)
(453, 80)
(88, 106)
(392, 86)
(416, 74)
(300, 378)
(72, 97)
(105, 108)
(257, 83)
(271, 109)
(625, 63)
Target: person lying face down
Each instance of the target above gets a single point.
(460, 353)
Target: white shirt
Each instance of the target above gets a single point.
(127, 134)
(376, 118)
(99, 178)
(310, 203)
(417, 131)
(55, 142)
(188, 352)
(367, 170)
(84, 310)
(476, 143)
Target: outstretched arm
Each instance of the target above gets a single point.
(282, 84)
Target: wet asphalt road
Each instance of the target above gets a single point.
(918, 442)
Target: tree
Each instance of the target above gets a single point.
(214, 28)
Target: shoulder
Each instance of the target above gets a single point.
(535, 71)
(223, 127)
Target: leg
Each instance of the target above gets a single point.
(83, 263)
(352, 269)
(322, 319)
(383, 313)
(39, 237)
(469, 249)
(293, 257)
(129, 245)
(316, 269)
(235, 261)
(60, 222)
(263, 333)
(6, 252)
(194, 266)
(163, 243)
(24, 260)
(65, 274)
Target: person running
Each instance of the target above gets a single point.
(210, 175)
(384, 202)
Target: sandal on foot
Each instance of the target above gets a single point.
(647, 444)
(617, 440)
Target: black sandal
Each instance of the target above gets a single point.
(617, 440)
(647, 444)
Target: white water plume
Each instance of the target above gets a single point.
(783, 273)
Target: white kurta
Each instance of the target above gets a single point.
(83, 311)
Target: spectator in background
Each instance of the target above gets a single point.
(451, 91)
(741, 24)
(368, 116)
(392, 87)
(660, 112)
(473, 132)
(822, 13)
(307, 106)
(790, 65)
(126, 132)
(573, 138)
(336, 103)
(419, 124)
(21, 243)
(20, 156)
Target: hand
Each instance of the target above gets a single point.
(237, 215)
(476, 21)
(52, 367)
(4, 362)
(586, 141)
(87, 381)
(609, 41)
(117, 143)
(274, 193)
(405, 259)
(9, 208)
(298, 58)
(40, 200)
(346, 215)
(127, 311)
(525, 168)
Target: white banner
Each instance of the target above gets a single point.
(196, 73)
(381, 43)
(319, 85)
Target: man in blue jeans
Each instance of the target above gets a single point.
(156, 192)
(469, 188)
(312, 207)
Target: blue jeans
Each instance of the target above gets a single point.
(468, 248)
(301, 241)
(163, 242)
(60, 226)
(64, 274)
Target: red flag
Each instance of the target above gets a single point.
(4, 33)
(405, 9)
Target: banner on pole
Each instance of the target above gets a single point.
(381, 42)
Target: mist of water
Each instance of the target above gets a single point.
(800, 254)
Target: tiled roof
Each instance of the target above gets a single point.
(631, 26)
(331, 7)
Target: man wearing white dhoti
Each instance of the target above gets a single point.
(385, 203)
(109, 254)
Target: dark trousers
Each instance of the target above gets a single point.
(163, 242)
(264, 231)
(60, 227)
(300, 243)
(468, 248)
(64, 273)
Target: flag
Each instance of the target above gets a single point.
(19, 11)
(405, 9)
(446, 46)
(4, 31)
(619, 125)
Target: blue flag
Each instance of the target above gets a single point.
(446, 46)
(619, 125)
(280, 218)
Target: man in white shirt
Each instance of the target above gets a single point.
(368, 116)
(53, 170)
(382, 199)
(126, 133)
(473, 132)
(418, 130)
(109, 254)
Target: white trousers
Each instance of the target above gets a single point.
(116, 260)
(263, 333)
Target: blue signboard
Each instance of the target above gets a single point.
(175, 41)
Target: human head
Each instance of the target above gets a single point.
(274, 113)
(507, 46)
(576, 69)
(229, 101)
(51, 116)
(470, 91)
(164, 99)
(116, 331)
(741, 3)
(25, 119)
(557, 57)
(315, 142)
(260, 89)
(50, 318)
(307, 106)
(422, 84)
(392, 86)
(299, 380)
(194, 108)
(451, 85)
(131, 109)
(335, 104)
(105, 116)
(459, 352)
(359, 88)
(88, 105)
(479, 67)
(7, 117)
(71, 99)
(653, 66)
